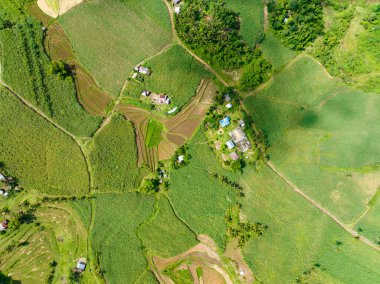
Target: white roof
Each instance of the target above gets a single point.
(229, 105)
(177, 9)
(230, 144)
(2, 177)
(181, 158)
(81, 265)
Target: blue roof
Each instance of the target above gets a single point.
(225, 121)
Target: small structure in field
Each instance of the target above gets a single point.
(81, 265)
(227, 97)
(142, 70)
(4, 225)
(173, 110)
(176, 2)
(145, 93)
(160, 99)
(2, 177)
(230, 144)
(240, 139)
(241, 123)
(4, 192)
(181, 158)
(229, 105)
(177, 9)
(234, 156)
(134, 75)
(225, 121)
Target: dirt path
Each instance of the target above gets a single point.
(266, 23)
(324, 210)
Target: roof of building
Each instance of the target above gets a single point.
(237, 134)
(229, 105)
(181, 158)
(81, 265)
(234, 156)
(225, 121)
(230, 144)
(172, 110)
(241, 123)
(227, 97)
(2, 177)
(177, 9)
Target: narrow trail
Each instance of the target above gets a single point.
(324, 210)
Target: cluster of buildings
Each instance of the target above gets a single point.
(158, 99)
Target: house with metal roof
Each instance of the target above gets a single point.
(225, 121)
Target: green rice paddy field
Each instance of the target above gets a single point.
(42, 157)
(323, 136)
(174, 73)
(127, 32)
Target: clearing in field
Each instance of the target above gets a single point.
(42, 157)
(113, 157)
(110, 37)
(323, 136)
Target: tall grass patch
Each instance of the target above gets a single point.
(113, 157)
(114, 236)
(38, 154)
(153, 133)
(110, 37)
(165, 235)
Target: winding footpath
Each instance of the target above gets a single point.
(326, 212)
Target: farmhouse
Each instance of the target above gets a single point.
(229, 105)
(225, 121)
(160, 99)
(142, 70)
(81, 265)
(240, 139)
(145, 93)
(4, 225)
(230, 144)
(234, 156)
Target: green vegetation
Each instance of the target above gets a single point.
(38, 154)
(27, 70)
(178, 275)
(113, 157)
(296, 22)
(277, 54)
(322, 135)
(212, 30)
(209, 197)
(251, 18)
(130, 31)
(83, 209)
(153, 133)
(115, 237)
(175, 73)
(305, 238)
(165, 235)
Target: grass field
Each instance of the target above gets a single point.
(251, 13)
(174, 73)
(298, 237)
(275, 52)
(39, 155)
(209, 198)
(26, 69)
(113, 157)
(153, 135)
(322, 135)
(117, 218)
(129, 32)
(165, 235)
(83, 209)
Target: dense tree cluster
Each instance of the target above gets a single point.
(296, 22)
(212, 29)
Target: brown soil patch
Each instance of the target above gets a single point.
(176, 139)
(234, 253)
(187, 127)
(203, 256)
(166, 149)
